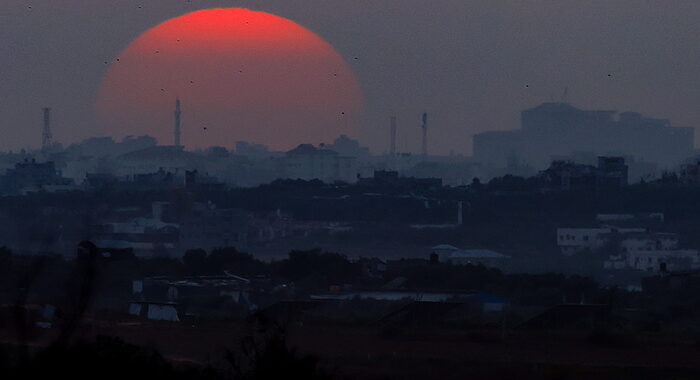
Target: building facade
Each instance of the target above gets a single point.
(559, 129)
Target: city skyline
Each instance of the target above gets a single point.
(476, 80)
(334, 189)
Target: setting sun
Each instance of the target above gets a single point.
(241, 75)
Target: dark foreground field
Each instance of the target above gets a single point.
(417, 353)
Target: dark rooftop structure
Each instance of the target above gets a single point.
(31, 175)
(390, 179)
(611, 172)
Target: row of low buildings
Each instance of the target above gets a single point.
(549, 132)
(635, 248)
(164, 231)
(558, 134)
(164, 167)
(171, 299)
(187, 298)
(31, 176)
(566, 175)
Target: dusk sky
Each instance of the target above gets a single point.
(472, 65)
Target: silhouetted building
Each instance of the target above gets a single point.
(99, 180)
(149, 160)
(161, 179)
(308, 162)
(589, 240)
(390, 180)
(559, 129)
(690, 172)
(372, 267)
(252, 150)
(611, 172)
(106, 146)
(385, 176)
(197, 181)
(161, 298)
(30, 176)
(451, 172)
(346, 146)
(210, 228)
(145, 235)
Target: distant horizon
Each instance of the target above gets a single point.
(471, 65)
(616, 114)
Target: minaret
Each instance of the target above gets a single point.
(425, 135)
(392, 136)
(178, 130)
(46, 135)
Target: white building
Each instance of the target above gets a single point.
(653, 252)
(142, 234)
(577, 240)
(656, 260)
(649, 242)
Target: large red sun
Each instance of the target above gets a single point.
(241, 75)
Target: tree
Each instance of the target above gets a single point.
(195, 261)
(319, 268)
(230, 259)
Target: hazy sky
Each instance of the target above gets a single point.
(473, 65)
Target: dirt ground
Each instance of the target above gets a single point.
(420, 353)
